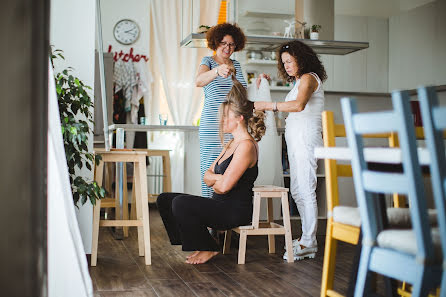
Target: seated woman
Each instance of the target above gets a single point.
(232, 176)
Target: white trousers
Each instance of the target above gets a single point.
(301, 137)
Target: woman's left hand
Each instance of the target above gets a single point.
(259, 79)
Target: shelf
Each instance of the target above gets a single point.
(271, 43)
(266, 14)
(281, 88)
(260, 62)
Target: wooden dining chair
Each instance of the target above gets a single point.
(343, 222)
(434, 121)
(406, 255)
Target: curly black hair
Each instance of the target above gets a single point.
(307, 60)
(216, 34)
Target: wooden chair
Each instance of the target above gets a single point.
(142, 208)
(406, 255)
(434, 121)
(343, 222)
(264, 228)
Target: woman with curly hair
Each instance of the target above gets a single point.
(298, 63)
(231, 176)
(214, 76)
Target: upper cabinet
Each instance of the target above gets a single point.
(362, 71)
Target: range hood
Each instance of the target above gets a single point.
(272, 43)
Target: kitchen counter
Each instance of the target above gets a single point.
(146, 128)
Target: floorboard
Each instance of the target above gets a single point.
(121, 272)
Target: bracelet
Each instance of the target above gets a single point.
(275, 107)
(216, 71)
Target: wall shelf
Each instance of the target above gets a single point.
(260, 62)
(281, 88)
(266, 14)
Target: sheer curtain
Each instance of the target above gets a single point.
(174, 69)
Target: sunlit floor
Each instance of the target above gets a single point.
(121, 272)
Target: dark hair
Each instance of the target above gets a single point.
(237, 101)
(216, 34)
(307, 60)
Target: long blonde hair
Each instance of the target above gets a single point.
(237, 101)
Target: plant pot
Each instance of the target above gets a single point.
(314, 35)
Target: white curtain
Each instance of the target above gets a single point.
(67, 265)
(270, 147)
(174, 69)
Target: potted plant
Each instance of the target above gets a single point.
(314, 35)
(76, 120)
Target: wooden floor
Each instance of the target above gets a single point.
(121, 272)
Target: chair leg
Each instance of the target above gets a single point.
(145, 209)
(361, 281)
(271, 238)
(138, 206)
(133, 204)
(96, 216)
(242, 247)
(227, 244)
(329, 260)
(287, 226)
(419, 287)
(442, 291)
(125, 200)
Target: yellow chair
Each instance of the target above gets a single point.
(344, 227)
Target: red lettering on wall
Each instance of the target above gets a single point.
(127, 56)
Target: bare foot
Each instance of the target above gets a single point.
(202, 257)
(193, 254)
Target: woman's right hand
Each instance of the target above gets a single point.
(224, 70)
(260, 105)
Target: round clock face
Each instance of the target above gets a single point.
(126, 31)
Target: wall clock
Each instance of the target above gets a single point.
(126, 31)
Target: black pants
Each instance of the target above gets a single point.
(187, 218)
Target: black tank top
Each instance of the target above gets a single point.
(242, 191)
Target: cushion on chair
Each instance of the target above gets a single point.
(397, 217)
(400, 217)
(404, 241)
(347, 215)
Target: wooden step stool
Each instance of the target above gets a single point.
(264, 228)
(142, 206)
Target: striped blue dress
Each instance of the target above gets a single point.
(214, 94)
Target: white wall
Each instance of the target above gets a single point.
(72, 29)
(417, 47)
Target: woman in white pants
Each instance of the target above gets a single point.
(303, 132)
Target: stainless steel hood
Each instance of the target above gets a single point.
(271, 43)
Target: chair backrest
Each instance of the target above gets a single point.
(333, 171)
(368, 182)
(434, 121)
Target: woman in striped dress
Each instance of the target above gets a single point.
(214, 75)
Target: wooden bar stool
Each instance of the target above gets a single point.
(264, 228)
(167, 177)
(142, 206)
